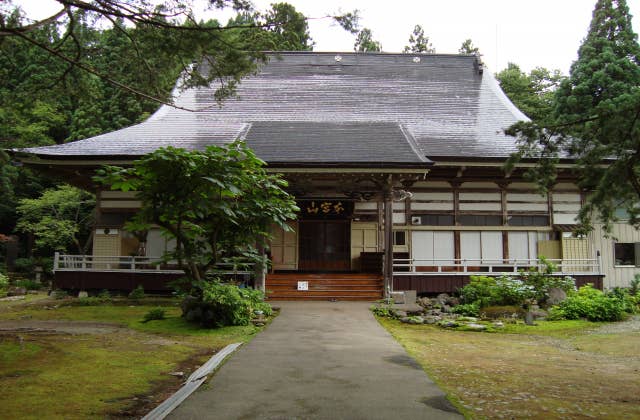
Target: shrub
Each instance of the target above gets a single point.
(487, 291)
(59, 294)
(137, 293)
(224, 304)
(87, 301)
(24, 265)
(104, 296)
(383, 311)
(154, 314)
(634, 288)
(28, 284)
(591, 304)
(542, 281)
(4, 285)
(467, 309)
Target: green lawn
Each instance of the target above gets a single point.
(563, 369)
(124, 371)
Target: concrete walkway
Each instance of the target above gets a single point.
(320, 360)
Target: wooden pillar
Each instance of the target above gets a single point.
(260, 267)
(387, 194)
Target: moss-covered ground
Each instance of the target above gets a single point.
(560, 369)
(120, 371)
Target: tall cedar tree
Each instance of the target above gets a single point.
(595, 121)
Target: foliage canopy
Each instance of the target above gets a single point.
(216, 203)
(594, 121)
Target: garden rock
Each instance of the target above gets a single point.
(425, 302)
(539, 313)
(431, 319)
(405, 319)
(475, 327)
(556, 295)
(448, 324)
(16, 291)
(83, 294)
(398, 297)
(467, 319)
(442, 298)
(498, 324)
(416, 320)
(401, 314)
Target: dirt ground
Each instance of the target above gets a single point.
(587, 373)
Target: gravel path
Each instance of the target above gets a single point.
(630, 325)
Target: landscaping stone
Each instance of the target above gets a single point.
(475, 327)
(425, 302)
(431, 319)
(556, 295)
(467, 319)
(401, 314)
(410, 297)
(498, 324)
(447, 323)
(539, 313)
(442, 298)
(446, 309)
(83, 294)
(405, 319)
(398, 297)
(416, 320)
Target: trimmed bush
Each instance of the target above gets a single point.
(591, 304)
(137, 293)
(224, 304)
(154, 314)
(467, 309)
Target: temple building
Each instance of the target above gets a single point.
(396, 162)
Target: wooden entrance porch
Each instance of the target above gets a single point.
(324, 286)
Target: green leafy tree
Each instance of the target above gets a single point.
(365, 42)
(419, 43)
(216, 203)
(467, 47)
(595, 120)
(58, 219)
(532, 93)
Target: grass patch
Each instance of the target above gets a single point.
(553, 370)
(121, 372)
(558, 329)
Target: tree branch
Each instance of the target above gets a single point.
(32, 27)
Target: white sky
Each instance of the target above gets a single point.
(529, 33)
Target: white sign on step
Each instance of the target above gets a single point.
(303, 285)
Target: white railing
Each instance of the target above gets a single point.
(426, 267)
(62, 262)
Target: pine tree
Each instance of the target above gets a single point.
(595, 119)
(419, 43)
(365, 42)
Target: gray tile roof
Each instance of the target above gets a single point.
(310, 108)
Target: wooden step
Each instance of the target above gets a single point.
(322, 298)
(337, 282)
(324, 286)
